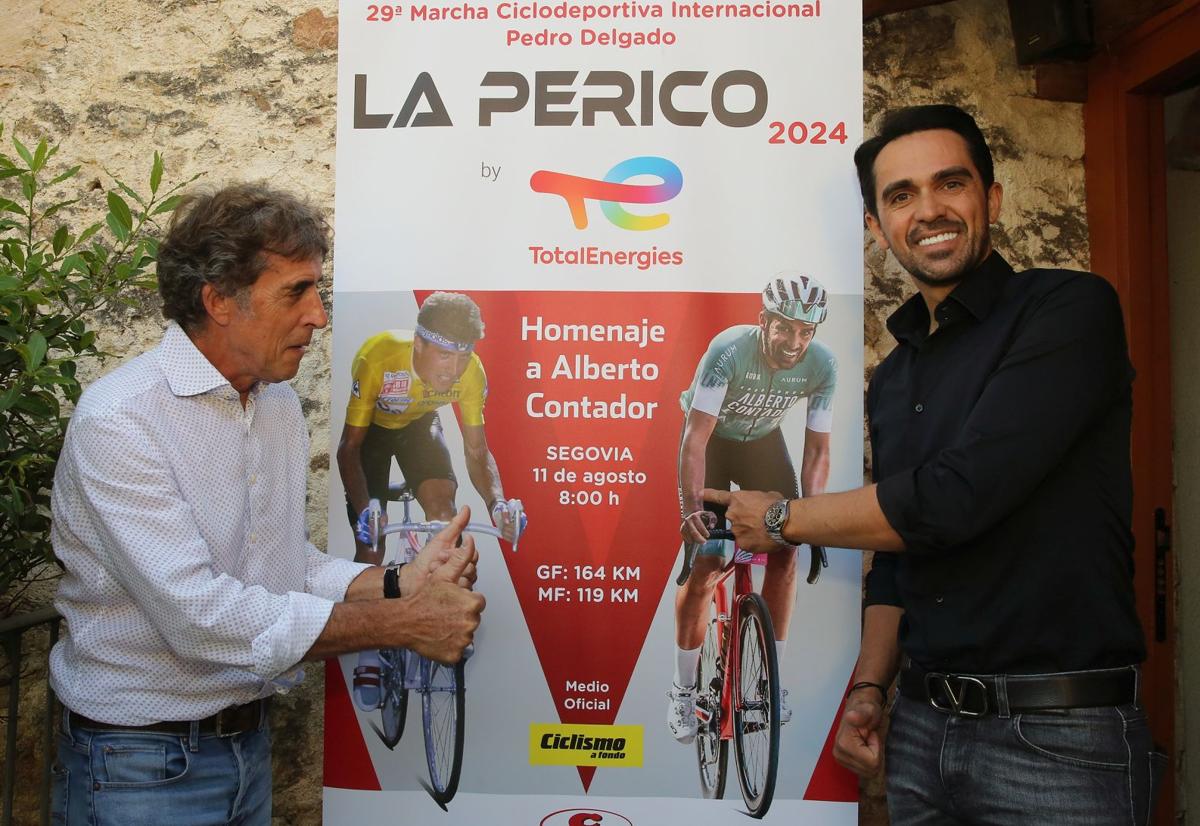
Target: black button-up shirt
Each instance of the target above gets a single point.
(1001, 449)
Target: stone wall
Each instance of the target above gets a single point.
(245, 89)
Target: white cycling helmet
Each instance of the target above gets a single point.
(797, 297)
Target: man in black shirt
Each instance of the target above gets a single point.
(1000, 435)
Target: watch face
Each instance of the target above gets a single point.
(776, 515)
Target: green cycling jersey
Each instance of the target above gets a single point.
(734, 383)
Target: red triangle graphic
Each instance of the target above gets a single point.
(347, 762)
(600, 491)
(830, 780)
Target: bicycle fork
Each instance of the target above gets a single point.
(729, 612)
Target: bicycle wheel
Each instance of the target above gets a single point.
(756, 706)
(395, 696)
(443, 708)
(712, 753)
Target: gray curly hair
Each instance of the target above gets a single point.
(220, 238)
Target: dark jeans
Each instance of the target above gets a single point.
(1082, 767)
(132, 778)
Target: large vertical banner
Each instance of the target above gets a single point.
(613, 186)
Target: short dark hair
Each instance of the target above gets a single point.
(452, 315)
(901, 122)
(220, 238)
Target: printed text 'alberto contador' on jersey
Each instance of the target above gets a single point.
(734, 383)
(385, 389)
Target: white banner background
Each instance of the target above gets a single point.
(417, 211)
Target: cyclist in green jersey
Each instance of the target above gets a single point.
(748, 379)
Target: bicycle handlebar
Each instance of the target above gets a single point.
(690, 549)
(517, 514)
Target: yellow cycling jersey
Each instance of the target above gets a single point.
(386, 390)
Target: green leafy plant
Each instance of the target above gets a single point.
(53, 281)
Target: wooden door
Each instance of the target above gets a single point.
(1126, 198)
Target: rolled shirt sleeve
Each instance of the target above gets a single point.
(329, 576)
(880, 586)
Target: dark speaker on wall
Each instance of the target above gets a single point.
(1051, 29)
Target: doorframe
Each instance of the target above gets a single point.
(1125, 172)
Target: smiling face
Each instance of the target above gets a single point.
(262, 333)
(784, 341)
(934, 211)
(438, 367)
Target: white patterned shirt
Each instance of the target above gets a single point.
(190, 584)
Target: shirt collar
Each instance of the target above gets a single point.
(187, 371)
(977, 293)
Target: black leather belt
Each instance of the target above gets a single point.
(975, 695)
(225, 723)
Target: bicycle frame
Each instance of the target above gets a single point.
(728, 618)
(740, 627)
(406, 671)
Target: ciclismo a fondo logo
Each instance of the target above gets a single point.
(581, 744)
(597, 748)
(681, 98)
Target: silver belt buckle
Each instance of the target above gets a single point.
(942, 686)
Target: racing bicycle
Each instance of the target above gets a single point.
(737, 683)
(441, 687)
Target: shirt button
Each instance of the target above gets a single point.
(253, 478)
(919, 408)
(253, 538)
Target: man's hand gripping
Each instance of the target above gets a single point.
(438, 583)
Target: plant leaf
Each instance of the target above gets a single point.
(38, 404)
(40, 155)
(118, 209)
(22, 151)
(167, 205)
(156, 171)
(62, 176)
(62, 237)
(53, 208)
(88, 233)
(118, 229)
(9, 397)
(128, 190)
(37, 350)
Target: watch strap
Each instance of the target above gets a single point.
(391, 581)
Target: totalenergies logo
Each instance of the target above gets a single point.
(585, 817)
(612, 191)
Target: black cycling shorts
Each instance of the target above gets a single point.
(419, 448)
(759, 464)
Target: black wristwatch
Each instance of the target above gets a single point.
(391, 581)
(774, 520)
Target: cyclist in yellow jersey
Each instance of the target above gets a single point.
(400, 379)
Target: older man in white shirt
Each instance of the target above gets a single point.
(191, 593)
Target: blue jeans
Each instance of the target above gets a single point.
(135, 778)
(1080, 767)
